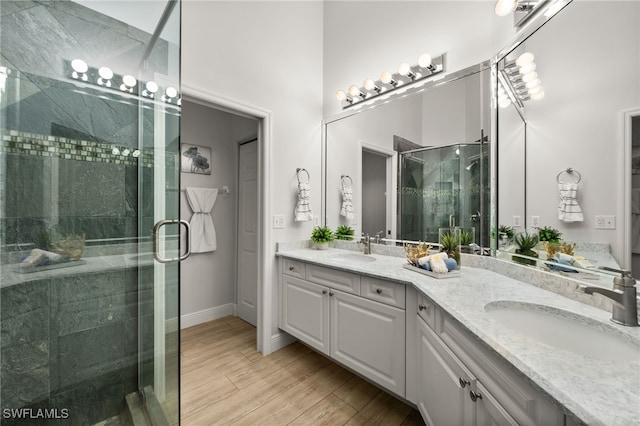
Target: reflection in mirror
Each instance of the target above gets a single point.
(430, 145)
(577, 125)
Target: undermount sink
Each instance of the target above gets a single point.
(565, 330)
(352, 258)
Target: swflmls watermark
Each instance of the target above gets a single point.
(35, 413)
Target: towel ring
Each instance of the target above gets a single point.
(568, 171)
(343, 177)
(298, 170)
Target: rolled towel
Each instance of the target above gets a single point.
(565, 257)
(437, 263)
(425, 260)
(560, 268)
(451, 264)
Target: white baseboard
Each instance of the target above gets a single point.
(206, 315)
(280, 340)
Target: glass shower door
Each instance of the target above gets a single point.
(89, 125)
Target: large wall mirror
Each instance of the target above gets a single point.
(588, 60)
(416, 164)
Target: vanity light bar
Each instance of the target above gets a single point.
(406, 77)
(105, 78)
(520, 80)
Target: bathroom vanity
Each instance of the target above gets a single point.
(453, 348)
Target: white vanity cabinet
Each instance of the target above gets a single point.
(365, 332)
(460, 382)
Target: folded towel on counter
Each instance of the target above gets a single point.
(437, 263)
(38, 257)
(303, 211)
(558, 267)
(203, 234)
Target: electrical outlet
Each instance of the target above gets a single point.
(605, 222)
(517, 221)
(316, 220)
(278, 221)
(535, 221)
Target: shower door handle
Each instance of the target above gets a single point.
(156, 240)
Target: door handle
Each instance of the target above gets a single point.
(156, 240)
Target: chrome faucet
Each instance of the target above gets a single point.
(624, 296)
(366, 241)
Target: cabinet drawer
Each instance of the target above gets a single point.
(427, 310)
(293, 268)
(333, 278)
(383, 291)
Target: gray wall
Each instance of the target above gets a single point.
(207, 280)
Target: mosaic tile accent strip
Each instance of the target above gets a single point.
(31, 144)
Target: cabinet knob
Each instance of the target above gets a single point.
(330, 293)
(378, 290)
(475, 396)
(291, 268)
(422, 307)
(464, 382)
(324, 291)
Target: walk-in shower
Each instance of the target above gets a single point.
(89, 140)
(443, 187)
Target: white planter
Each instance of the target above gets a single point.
(320, 246)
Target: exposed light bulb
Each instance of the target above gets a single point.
(126, 152)
(106, 75)
(79, 66)
(369, 84)
(405, 69)
(136, 153)
(424, 61)
(538, 96)
(171, 92)
(115, 151)
(354, 90)
(533, 83)
(340, 95)
(128, 82)
(504, 7)
(387, 78)
(526, 69)
(524, 59)
(151, 86)
(503, 103)
(535, 90)
(530, 76)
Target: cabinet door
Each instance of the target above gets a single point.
(489, 412)
(305, 312)
(369, 338)
(441, 397)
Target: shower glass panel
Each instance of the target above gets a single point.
(88, 161)
(442, 187)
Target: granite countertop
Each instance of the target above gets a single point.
(594, 391)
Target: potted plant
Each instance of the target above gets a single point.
(321, 236)
(505, 234)
(550, 239)
(450, 244)
(344, 232)
(466, 239)
(526, 243)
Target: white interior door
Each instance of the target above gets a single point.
(247, 287)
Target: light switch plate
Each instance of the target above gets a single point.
(605, 222)
(278, 221)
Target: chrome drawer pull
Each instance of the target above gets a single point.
(378, 290)
(475, 396)
(464, 382)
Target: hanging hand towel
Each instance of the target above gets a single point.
(203, 234)
(303, 211)
(569, 210)
(347, 202)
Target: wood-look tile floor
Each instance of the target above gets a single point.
(224, 381)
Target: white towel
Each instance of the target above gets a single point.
(569, 210)
(303, 211)
(203, 234)
(635, 220)
(347, 202)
